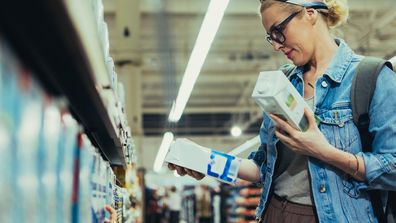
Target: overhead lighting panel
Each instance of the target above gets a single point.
(208, 30)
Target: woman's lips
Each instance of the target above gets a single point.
(288, 54)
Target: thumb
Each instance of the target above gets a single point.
(310, 117)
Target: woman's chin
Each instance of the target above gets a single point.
(297, 62)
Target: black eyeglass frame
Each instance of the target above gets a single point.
(276, 31)
(314, 5)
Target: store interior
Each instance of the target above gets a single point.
(91, 98)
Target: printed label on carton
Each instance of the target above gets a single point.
(223, 166)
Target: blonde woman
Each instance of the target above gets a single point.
(320, 175)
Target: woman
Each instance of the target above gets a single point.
(320, 175)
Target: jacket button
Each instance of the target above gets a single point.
(324, 84)
(341, 124)
(322, 188)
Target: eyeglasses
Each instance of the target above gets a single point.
(315, 5)
(276, 31)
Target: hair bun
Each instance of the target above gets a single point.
(338, 12)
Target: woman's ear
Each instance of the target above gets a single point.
(312, 15)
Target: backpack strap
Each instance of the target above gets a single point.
(390, 211)
(363, 86)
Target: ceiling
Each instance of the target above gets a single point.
(166, 31)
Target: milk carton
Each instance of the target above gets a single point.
(275, 94)
(185, 153)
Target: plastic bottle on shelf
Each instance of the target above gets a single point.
(8, 88)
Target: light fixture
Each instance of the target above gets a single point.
(245, 146)
(162, 151)
(236, 131)
(208, 30)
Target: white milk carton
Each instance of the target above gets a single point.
(275, 94)
(185, 153)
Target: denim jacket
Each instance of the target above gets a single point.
(337, 196)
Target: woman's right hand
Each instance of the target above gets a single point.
(183, 171)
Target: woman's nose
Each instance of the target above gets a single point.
(277, 46)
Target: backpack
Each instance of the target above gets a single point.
(362, 90)
(363, 86)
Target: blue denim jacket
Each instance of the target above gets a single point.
(338, 197)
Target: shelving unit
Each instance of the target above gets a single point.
(45, 38)
(241, 202)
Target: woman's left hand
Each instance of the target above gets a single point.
(311, 142)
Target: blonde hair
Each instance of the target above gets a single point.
(338, 12)
(336, 15)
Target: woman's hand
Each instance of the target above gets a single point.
(311, 142)
(113, 214)
(183, 171)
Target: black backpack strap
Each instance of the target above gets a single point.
(390, 211)
(363, 86)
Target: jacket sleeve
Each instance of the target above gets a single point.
(259, 156)
(380, 163)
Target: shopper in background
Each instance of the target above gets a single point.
(154, 210)
(204, 205)
(321, 175)
(174, 203)
(165, 207)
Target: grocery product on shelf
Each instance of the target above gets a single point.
(47, 173)
(62, 124)
(65, 164)
(241, 202)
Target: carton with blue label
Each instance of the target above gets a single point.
(185, 153)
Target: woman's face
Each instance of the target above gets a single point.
(297, 32)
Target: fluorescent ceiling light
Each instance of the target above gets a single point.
(245, 146)
(236, 131)
(208, 30)
(162, 151)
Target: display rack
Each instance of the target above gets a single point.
(241, 202)
(46, 40)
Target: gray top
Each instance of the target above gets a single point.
(291, 175)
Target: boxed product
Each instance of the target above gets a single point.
(65, 166)
(185, 153)
(275, 94)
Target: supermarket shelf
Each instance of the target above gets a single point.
(44, 37)
(242, 215)
(247, 205)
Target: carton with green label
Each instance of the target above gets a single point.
(275, 94)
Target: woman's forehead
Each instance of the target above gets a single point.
(273, 15)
